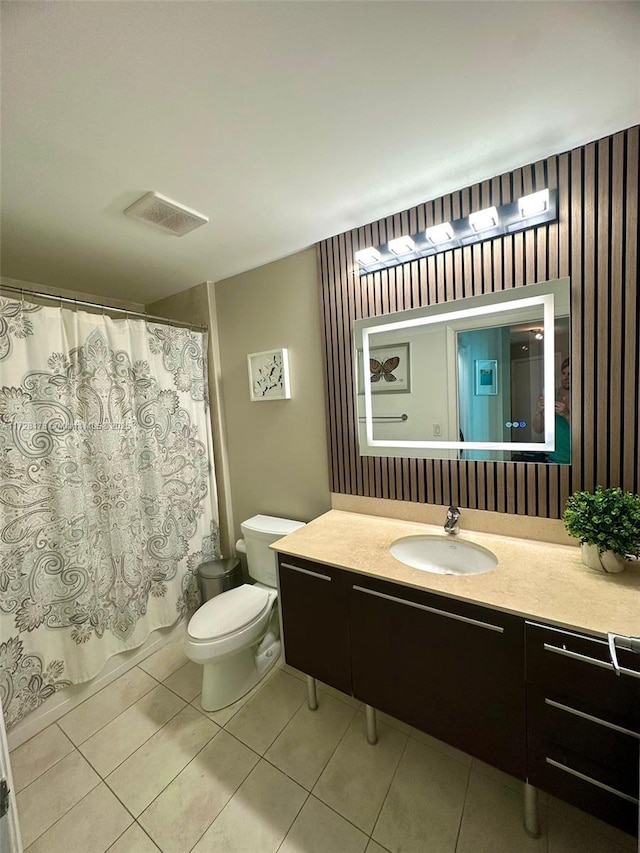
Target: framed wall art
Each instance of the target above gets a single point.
(389, 369)
(486, 377)
(269, 375)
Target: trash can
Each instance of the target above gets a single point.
(216, 576)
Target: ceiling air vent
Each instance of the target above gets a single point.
(166, 215)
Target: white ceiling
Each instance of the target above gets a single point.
(283, 122)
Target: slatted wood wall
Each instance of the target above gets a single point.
(594, 241)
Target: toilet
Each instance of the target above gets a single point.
(236, 634)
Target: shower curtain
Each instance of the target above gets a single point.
(107, 491)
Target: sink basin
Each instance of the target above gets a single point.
(443, 555)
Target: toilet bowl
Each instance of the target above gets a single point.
(236, 634)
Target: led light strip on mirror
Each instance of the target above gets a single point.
(543, 299)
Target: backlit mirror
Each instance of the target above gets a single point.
(482, 378)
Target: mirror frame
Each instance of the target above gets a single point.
(544, 294)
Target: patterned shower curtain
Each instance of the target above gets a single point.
(107, 491)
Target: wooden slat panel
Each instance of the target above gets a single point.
(594, 241)
(615, 376)
(553, 227)
(328, 362)
(336, 414)
(602, 318)
(631, 452)
(501, 486)
(583, 287)
(563, 226)
(348, 297)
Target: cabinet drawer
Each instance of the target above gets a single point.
(594, 747)
(563, 763)
(576, 670)
(313, 604)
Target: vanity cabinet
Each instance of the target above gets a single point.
(541, 703)
(313, 606)
(451, 669)
(583, 723)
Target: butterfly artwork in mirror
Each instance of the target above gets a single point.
(389, 369)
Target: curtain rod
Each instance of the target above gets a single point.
(168, 322)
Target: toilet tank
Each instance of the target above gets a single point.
(259, 532)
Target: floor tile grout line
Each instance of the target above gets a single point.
(235, 791)
(51, 766)
(122, 803)
(346, 819)
(58, 819)
(310, 790)
(140, 745)
(134, 823)
(464, 805)
(370, 836)
(97, 693)
(115, 840)
(297, 815)
(302, 701)
(168, 783)
(261, 757)
(393, 776)
(344, 734)
(137, 822)
(282, 730)
(173, 671)
(547, 822)
(159, 794)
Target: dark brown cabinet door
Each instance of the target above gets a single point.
(449, 668)
(315, 628)
(584, 723)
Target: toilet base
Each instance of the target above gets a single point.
(227, 680)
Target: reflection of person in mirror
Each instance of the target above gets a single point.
(562, 453)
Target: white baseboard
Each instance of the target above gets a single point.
(61, 703)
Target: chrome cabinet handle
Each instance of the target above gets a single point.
(603, 664)
(305, 571)
(435, 610)
(592, 719)
(590, 780)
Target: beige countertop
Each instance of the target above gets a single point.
(537, 580)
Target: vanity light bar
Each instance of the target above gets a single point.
(533, 204)
(528, 211)
(439, 233)
(485, 219)
(401, 245)
(368, 256)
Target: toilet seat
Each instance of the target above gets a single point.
(230, 622)
(229, 612)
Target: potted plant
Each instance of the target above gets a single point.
(607, 523)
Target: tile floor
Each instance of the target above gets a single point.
(139, 767)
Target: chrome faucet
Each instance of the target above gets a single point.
(452, 524)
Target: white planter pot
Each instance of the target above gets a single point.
(606, 561)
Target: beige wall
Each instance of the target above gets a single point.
(277, 449)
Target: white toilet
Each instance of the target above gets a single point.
(236, 635)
